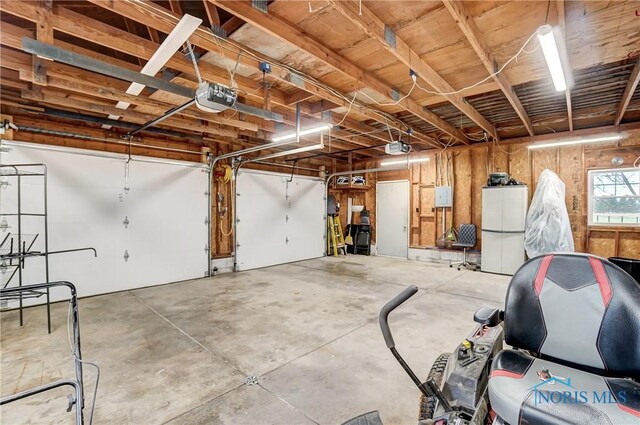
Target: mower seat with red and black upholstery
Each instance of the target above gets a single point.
(579, 315)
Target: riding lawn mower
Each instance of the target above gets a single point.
(572, 324)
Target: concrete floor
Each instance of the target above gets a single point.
(180, 353)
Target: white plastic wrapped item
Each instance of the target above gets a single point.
(548, 228)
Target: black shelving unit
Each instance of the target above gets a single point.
(17, 247)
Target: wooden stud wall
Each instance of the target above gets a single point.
(471, 166)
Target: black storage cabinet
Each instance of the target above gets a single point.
(629, 265)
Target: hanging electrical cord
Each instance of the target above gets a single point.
(293, 170)
(307, 78)
(231, 212)
(514, 57)
(415, 83)
(636, 163)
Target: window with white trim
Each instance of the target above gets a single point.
(614, 197)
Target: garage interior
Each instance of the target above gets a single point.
(235, 189)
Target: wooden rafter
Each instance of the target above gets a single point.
(285, 31)
(85, 83)
(634, 79)
(80, 26)
(74, 88)
(152, 14)
(212, 13)
(562, 22)
(175, 7)
(468, 26)
(232, 24)
(373, 26)
(44, 33)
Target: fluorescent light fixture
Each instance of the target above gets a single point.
(306, 132)
(176, 38)
(290, 152)
(113, 117)
(552, 56)
(610, 138)
(404, 161)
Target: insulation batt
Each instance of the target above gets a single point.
(548, 228)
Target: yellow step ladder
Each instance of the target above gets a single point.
(335, 239)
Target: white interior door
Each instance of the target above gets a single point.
(279, 221)
(392, 218)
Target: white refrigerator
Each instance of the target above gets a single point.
(504, 214)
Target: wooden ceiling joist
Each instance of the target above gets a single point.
(83, 27)
(468, 26)
(632, 84)
(68, 78)
(82, 82)
(373, 26)
(212, 13)
(149, 13)
(285, 31)
(562, 22)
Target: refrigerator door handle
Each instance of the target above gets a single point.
(503, 231)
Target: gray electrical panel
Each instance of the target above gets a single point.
(443, 197)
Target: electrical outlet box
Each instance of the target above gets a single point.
(443, 197)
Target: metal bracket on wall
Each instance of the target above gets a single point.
(206, 220)
(390, 36)
(126, 222)
(206, 248)
(219, 31)
(126, 256)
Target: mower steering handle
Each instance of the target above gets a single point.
(388, 308)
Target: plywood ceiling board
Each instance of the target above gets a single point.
(264, 43)
(368, 54)
(602, 32)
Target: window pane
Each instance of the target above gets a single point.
(616, 210)
(615, 197)
(633, 176)
(604, 190)
(628, 189)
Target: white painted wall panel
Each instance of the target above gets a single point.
(166, 207)
(279, 221)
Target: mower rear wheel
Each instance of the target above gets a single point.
(428, 405)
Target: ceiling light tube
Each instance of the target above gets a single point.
(404, 161)
(289, 152)
(306, 132)
(610, 138)
(552, 56)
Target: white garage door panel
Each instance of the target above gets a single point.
(166, 207)
(306, 218)
(279, 221)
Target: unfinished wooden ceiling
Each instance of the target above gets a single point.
(347, 62)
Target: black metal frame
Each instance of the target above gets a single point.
(42, 289)
(429, 388)
(20, 171)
